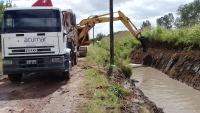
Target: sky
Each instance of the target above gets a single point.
(137, 10)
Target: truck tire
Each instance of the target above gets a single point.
(72, 58)
(66, 75)
(75, 58)
(71, 46)
(73, 19)
(15, 77)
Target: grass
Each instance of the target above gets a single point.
(104, 97)
(0, 62)
(144, 109)
(96, 54)
(124, 43)
(187, 37)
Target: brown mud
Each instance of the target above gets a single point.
(41, 93)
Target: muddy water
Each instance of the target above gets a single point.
(169, 94)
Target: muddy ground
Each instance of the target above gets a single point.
(42, 93)
(177, 63)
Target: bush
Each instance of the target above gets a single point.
(186, 36)
(118, 91)
(124, 43)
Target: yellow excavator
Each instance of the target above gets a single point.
(86, 24)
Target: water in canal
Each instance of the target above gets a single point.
(171, 95)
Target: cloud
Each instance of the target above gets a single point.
(137, 10)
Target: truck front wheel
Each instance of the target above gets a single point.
(15, 77)
(66, 75)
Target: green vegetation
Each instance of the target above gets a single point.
(98, 37)
(144, 109)
(118, 91)
(145, 24)
(186, 34)
(188, 14)
(166, 21)
(124, 43)
(0, 62)
(104, 96)
(4, 5)
(187, 37)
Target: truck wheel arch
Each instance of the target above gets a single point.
(15, 77)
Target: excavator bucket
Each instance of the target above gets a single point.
(43, 3)
(145, 41)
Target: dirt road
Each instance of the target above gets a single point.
(42, 93)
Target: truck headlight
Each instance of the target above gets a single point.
(61, 59)
(7, 61)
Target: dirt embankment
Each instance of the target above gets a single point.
(177, 63)
(135, 101)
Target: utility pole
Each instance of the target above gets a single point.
(111, 39)
(93, 36)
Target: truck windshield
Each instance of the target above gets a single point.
(31, 20)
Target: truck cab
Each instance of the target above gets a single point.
(33, 39)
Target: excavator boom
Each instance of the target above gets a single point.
(100, 19)
(90, 22)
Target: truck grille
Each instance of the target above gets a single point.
(40, 62)
(29, 50)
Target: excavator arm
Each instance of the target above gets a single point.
(89, 23)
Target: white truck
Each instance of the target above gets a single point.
(37, 39)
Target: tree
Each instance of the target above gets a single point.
(146, 24)
(99, 36)
(4, 5)
(169, 20)
(178, 22)
(189, 14)
(166, 21)
(185, 12)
